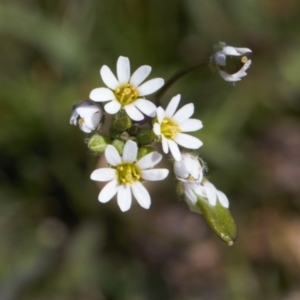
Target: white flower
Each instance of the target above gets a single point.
(126, 91)
(232, 62)
(88, 116)
(205, 190)
(189, 168)
(125, 175)
(170, 125)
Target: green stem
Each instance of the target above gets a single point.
(175, 77)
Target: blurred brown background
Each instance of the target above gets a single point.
(57, 242)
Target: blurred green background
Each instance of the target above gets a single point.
(58, 242)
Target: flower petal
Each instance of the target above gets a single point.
(191, 125)
(211, 193)
(102, 94)
(103, 174)
(124, 197)
(172, 106)
(141, 194)
(188, 141)
(160, 113)
(184, 113)
(174, 150)
(112, 107)
(154, 174)
(165, 144)
(140, 75)
(228, 50)
(149, 161)
(112, 156)
(146, 107)
(223, 199)
(220, 59)
(133, 112)
(150, 86)
(129, 152)
(156, 129)
(123, 69)
(108, 191)
(109, 78)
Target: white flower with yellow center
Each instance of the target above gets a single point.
(170, 126)
(126, 175)
(127, 92)
(231, 62)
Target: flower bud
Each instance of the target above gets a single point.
(87, 114)
(231, 62)
(121, 121)
(97, 143)
(189, 168)
(145, 136)
(119, 145)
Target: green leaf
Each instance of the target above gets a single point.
(220, 220)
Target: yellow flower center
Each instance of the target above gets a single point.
(244, 59)
(128, 173)
(81, 121)
(126, 94)
(169, 128)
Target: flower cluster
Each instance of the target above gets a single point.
(137, 123)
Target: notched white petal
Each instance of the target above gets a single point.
(188, 141)
(112, 107)
(133, 112)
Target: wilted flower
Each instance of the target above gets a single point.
(170, 125)
(189, 168)
(87, 114)
(127, 92)
(231, 62)
(125, 175)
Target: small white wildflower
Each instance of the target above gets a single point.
(170, 125)
(127, 92)
(189, 168)
(231, 62)
(88, 116)
(125, 175)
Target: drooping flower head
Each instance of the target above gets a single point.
(231, 62)
(169, 127)
(127, 92)
(189, 168)
(125, 175)
(87, 114)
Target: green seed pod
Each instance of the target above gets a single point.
(220, 220)
(97, 143)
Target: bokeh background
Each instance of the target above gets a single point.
(58, 242)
